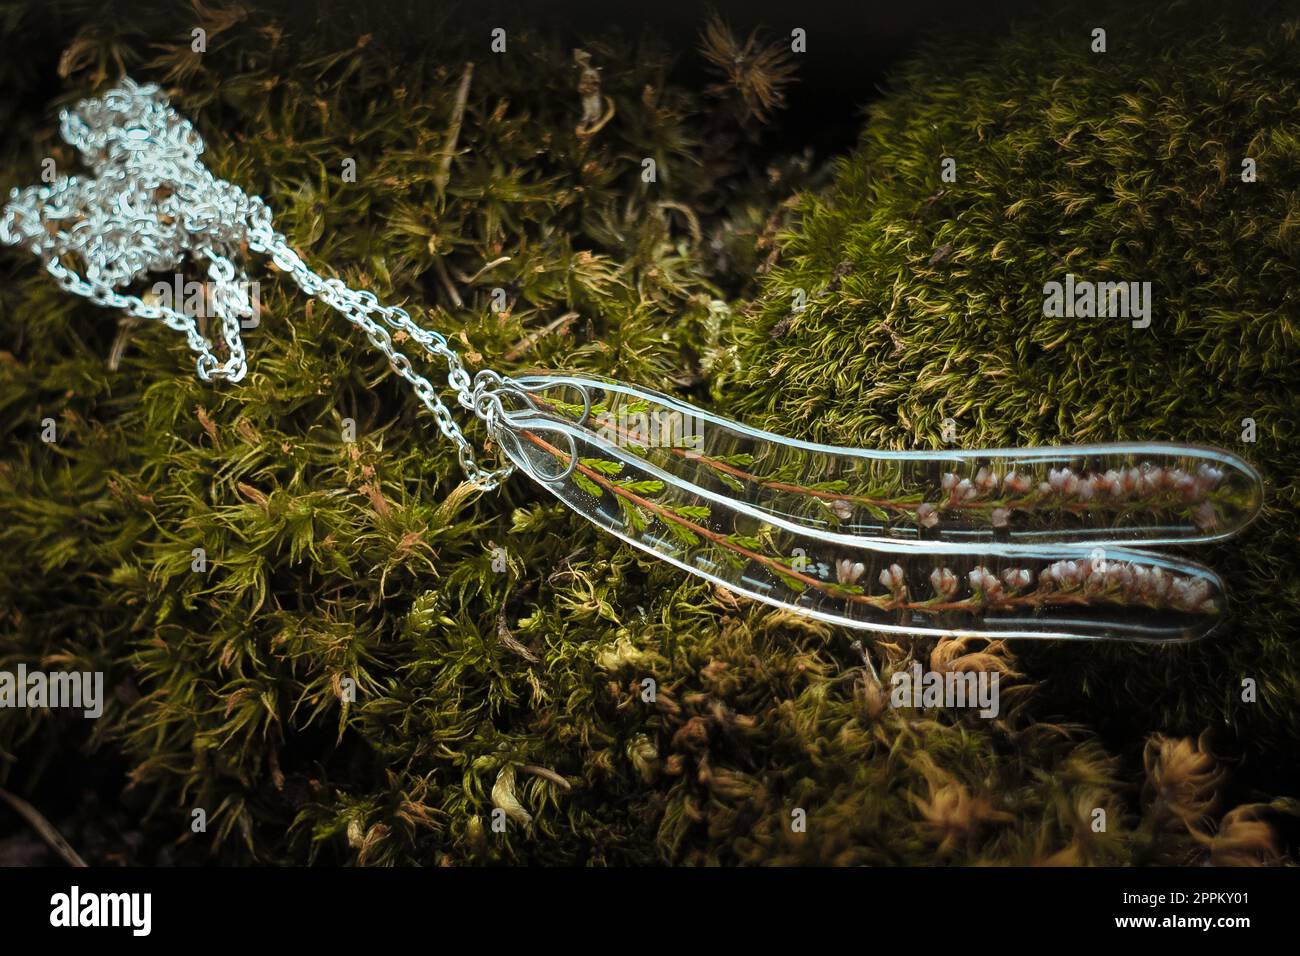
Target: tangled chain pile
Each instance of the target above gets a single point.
(152, 203)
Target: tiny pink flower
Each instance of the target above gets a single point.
(893, 578)
(848, 571)
(1016, 484)
(944, 583)
(1206, 516)
(1208, 477)
(1160, 582)
(985, 582)
(1186, 486)
(1115, 481)
(1189, 593)
(1149, 478)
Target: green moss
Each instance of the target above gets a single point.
(925, 302)
(520, 686)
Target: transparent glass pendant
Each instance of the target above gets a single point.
(1031, 542)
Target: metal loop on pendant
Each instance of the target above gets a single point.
(488, 405)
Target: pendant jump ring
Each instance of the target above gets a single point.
(496, 416)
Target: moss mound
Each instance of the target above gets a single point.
(925, 302)
(498, 646)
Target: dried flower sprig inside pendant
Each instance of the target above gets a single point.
(1017, 542)
(1146, 486)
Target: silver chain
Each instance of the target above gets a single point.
(152, 203)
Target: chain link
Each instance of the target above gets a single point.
(152, 203)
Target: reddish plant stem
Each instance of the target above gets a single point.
(754, 479)
(1036, 598)
(1020, 504)
(668, 515)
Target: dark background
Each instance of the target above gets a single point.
(852, 46)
